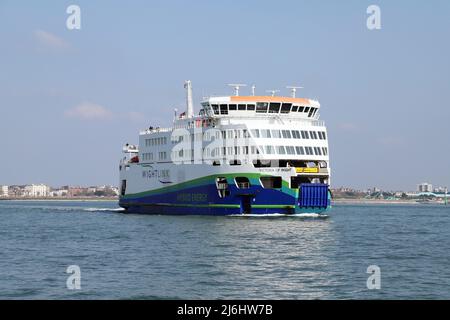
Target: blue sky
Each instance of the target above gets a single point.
(69, 99)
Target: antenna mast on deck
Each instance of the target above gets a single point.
(272, 92)
(236, 87)
(293, 90)
(189, 102)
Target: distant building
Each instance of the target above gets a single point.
(4, 191)
(59, 193)
(425, 187)
(37, 190)
(440, 190)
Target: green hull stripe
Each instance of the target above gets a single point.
(254, 177)
(258, 206)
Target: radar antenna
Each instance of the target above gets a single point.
(293, 90)
(236, 87)
(273, 92)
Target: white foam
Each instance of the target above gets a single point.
(103, 209)
(275, 215)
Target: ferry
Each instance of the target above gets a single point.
(240, 155)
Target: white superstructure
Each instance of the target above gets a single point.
(262, 143)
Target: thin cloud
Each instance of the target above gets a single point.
(348, 127)
(391, 141)
(136, 116)
(50, 40)
(89, 111)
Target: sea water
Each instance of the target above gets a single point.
(127, 256)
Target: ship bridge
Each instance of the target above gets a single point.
(260, 106)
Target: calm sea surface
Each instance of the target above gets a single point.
(160, 257)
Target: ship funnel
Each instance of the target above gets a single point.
(189, 103)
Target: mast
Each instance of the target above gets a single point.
(189, 102)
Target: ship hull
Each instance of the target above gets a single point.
(204, 200)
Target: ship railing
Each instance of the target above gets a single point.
(318, 123)
(154, 130)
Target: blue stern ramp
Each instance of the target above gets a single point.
(313, 197)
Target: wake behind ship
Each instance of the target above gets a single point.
(240, 155)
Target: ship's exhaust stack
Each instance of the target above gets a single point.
(189, 102)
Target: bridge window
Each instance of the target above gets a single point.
(271, 182)
(274, 107)
(223, 109)
(307, 109)
(261, 107)
(300, 109)
(215, 108)
(232, 107)
(286, 107)
(242, 182)
(311, 112)
(294, 108)
(241, 107)
(250, 107)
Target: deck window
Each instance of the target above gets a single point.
(276, 134)
(265, 133)
(305, 135)
(309, 151)
(325, 151)
(269, 150)
(317, 151)
(255, 133)
(274, 107)
(222, 186)
(271, 182)
(242, 182)
(296, 134)
(287, 134)
(290, 150)
(300, 151)
(286, 107)
(261, 107)
(281, 150)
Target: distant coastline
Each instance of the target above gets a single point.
(383, 201)
(62, 199)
